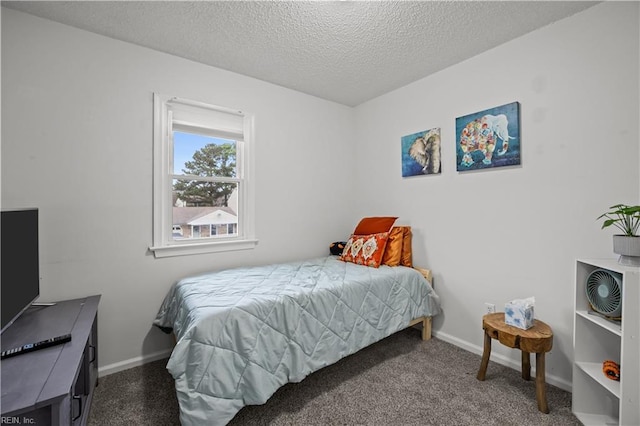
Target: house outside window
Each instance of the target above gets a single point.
(203, 192)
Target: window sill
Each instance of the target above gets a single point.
(202, 248)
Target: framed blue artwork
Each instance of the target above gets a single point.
(421, 153)
(489, 138)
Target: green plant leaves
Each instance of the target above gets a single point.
(625, 218)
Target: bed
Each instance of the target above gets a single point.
(243, 333)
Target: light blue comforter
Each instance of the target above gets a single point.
(243, 333)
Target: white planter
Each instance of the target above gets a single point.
(628, 248)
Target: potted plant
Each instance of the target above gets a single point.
(626, 219)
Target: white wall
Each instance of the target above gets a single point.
(77, 143)
(497, 235)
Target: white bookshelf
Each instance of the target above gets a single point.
(596, 399)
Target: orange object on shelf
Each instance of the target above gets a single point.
(611, 369)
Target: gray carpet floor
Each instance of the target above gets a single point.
(400, 380)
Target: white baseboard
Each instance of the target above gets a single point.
(132, 362)
(501, 359)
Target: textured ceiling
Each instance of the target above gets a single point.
(344, 51)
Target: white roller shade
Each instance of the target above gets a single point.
(201, 118)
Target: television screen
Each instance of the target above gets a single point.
(19, 262)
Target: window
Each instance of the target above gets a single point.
(203, 198)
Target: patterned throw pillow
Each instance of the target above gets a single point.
(365, 250)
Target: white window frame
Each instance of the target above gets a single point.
(163, 243)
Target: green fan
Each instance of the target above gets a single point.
(604, 292)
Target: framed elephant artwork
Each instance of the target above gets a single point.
(489, 138)
(421, 153)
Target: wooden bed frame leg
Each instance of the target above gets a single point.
(426, 328)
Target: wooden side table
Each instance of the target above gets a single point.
(538, 339)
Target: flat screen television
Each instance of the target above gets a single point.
(19, 262)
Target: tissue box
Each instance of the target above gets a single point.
(519, 313)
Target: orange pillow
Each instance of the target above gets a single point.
(393, 251)
(374, 225)
(365, 250)
(407, 254)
